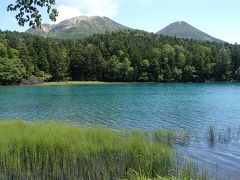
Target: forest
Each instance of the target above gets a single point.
(121, 56)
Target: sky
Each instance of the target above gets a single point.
(218, 18)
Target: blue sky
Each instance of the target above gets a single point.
(219, 18)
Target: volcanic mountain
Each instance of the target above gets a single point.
(182, 29)
(77, 27)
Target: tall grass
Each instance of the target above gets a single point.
(59, 151)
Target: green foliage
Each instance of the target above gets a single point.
(189, 73)
(3, 50)
(122, 56)
(143, 77)
(11, 71)
(113, 68)
(44, 76)
(177, 74)
(237, 74)
(56, 151)
(127, 70)
(28, 11)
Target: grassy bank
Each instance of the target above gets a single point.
(59, 151)
(62, 83)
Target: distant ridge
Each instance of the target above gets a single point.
(182, 29)
(77, 27)
(84, 26)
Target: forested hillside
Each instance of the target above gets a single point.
(126, 55)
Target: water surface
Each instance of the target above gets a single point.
(188, 107)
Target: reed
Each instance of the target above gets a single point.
(170, 137)
(59, 151)
(211, 136)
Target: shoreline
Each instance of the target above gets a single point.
(65, 83)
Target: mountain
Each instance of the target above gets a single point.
(182, 29)
(77, 27)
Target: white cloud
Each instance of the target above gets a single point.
(144, 2)
(66, 12)
(107, 8)
(73, 8)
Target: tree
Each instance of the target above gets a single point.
(128, 55)
(223, 65)
(60, 65)
(77, 63)
(180, 57)
(237, 74)
(93, 58)
(169, 54)
(189, 73)
(154, 70)
(26, 60)
(28, 11)
(3, 50)
(126, 70)
(144, 70)
(177, 74)
(42, 59)
(11, 71)
(201, 61)
(235, 53)
(113, 68)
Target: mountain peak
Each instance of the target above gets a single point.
(180, 22)
(77, 27)
(77, 19)
(182, 29)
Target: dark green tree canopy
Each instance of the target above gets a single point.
(28, 11)
(126, 55)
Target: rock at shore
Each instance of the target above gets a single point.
(32, 80)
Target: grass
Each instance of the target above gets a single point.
(61, 151)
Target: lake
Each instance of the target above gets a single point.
(184, 107)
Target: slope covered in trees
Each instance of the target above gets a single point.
(127, 55)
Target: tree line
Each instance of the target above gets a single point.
(124, 56)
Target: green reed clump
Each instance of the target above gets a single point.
(225, 136)
(56, 151)
(170, 137)
(221, 136)
(211, 136)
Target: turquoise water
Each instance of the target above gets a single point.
(189, 107)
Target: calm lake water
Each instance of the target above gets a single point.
(189, 107)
